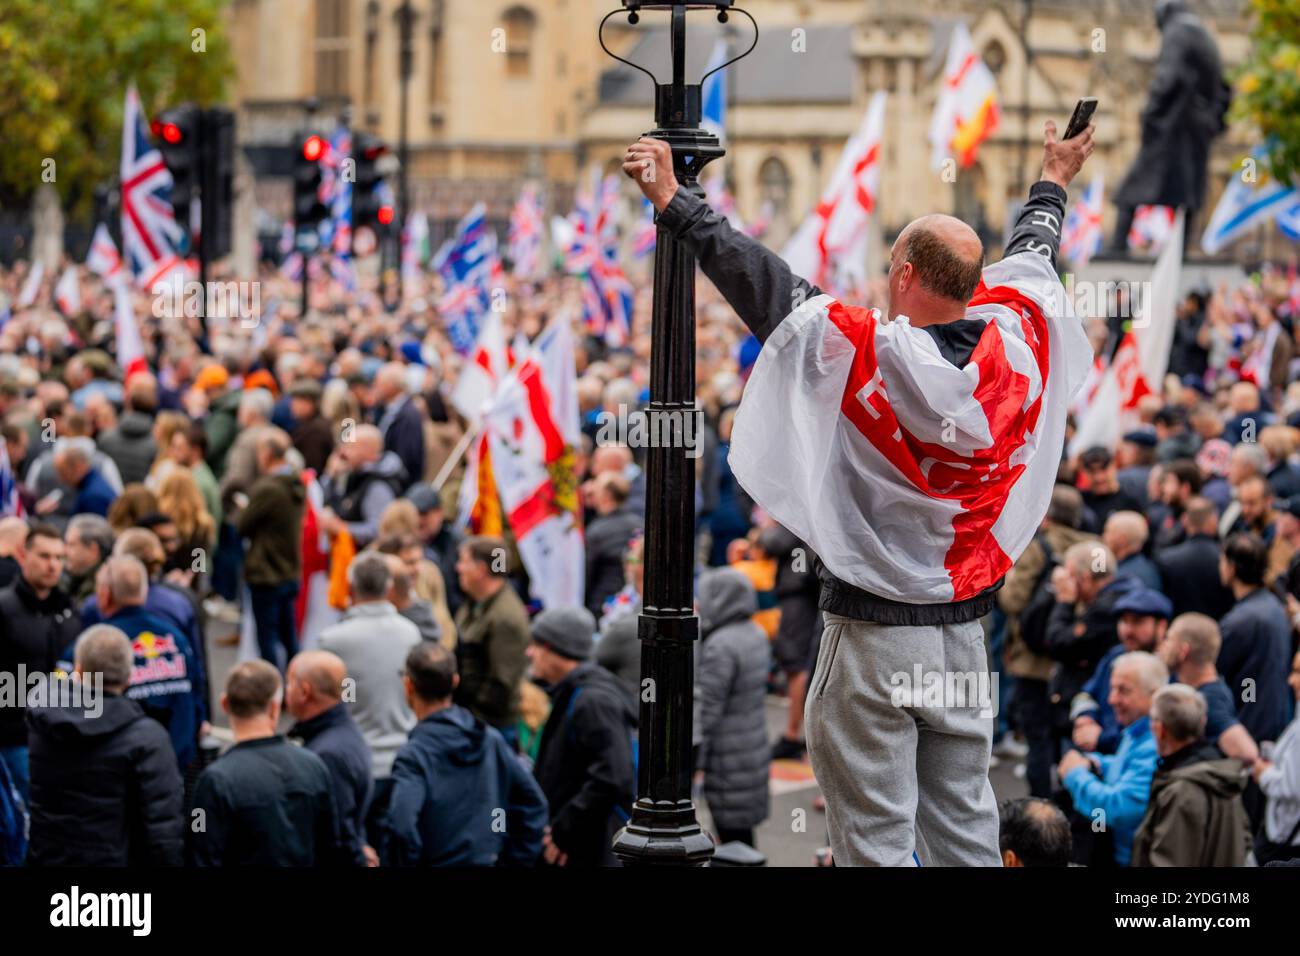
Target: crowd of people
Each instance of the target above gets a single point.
(430, 713)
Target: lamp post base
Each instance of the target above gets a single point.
(663, 834)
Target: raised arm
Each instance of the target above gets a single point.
(752, 278)
(1038, 228)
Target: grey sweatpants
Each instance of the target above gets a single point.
(903, 771)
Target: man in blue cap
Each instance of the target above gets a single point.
(1142, 616)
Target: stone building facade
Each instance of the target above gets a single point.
(504, 91)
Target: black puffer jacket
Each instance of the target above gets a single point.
(584, 764)
(33, 633)
(105, 789)
(730, 684)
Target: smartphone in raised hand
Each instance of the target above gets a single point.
(1082, 115)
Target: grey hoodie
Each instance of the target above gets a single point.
(730, 686)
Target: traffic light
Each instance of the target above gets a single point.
(308, 210)
(218, 175)
(371, 199)
(177, 132)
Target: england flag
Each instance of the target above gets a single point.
(909, 477)
(103, 259)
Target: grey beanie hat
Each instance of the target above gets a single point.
(566, 630)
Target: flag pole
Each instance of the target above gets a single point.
(456, 455)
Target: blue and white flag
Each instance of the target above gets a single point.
(1244, 205)
(467, 255)
(1288, 220)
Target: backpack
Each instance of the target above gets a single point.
(1034, 618)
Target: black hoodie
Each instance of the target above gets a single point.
(105, 789)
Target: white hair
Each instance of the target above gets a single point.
(1151, 672)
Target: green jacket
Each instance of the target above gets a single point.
(491, 638)
(207, 482)
(222, 426)
(272, 523)
(1194, 816)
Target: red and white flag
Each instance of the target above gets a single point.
(485, 369)
(102, 259)
(31, 285)
(533, 433)
(1143, 355)
(830, 240)
(909, 477)
(67, 292)
(966, 111)
(130, 347)
(1151, 228)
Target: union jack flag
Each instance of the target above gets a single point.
(465, 256)
(469, 266)
(643, 239)
(592, 253)
(525, 239)
(1081, 233)
(461, 306)
(150, 233)
(336, 193)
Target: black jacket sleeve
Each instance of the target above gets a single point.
(754, 280)
(1038, 228)
(604, 738)
(1060, 632)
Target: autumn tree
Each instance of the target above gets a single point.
(64, 70)
(1268, 85)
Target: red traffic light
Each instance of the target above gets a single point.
(167, 132)
(313, 148)
(385, 215)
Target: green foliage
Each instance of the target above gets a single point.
(1268, 84)
(64, 69)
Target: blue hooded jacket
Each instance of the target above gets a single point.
(461, 797)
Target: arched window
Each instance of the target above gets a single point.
(995, 57)
(774, 188)
(520, 24)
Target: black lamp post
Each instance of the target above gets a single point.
(663, 829)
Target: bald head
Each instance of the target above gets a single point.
(608, 458)
(935, 266)
(369, 442)
(314, 683)
(322, 671)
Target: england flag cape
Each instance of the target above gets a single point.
(909, 477)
